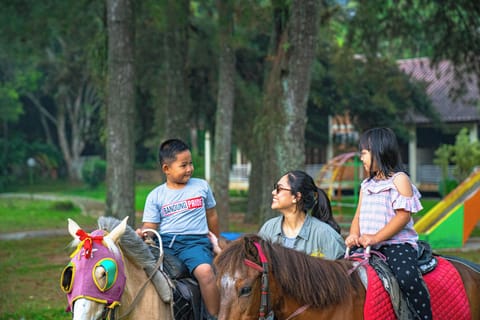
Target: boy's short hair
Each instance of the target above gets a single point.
(167, 153)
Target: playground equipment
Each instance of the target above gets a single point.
(451, 221)
(341, 172)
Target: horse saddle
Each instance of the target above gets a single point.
(426, 263)
(440, 276)
(186, 292)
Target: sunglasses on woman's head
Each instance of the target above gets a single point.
(279, 188)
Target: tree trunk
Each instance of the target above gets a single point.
(176, 99)
(281, 128)
(120, 110)
(224, 113)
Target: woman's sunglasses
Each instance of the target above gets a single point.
(279, 188)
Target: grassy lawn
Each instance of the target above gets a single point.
(24, 214)
(30, 279)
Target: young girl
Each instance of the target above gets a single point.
(383, 217)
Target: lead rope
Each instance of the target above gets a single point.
(365, 256)
(140, 292)
(298, 311)
(158, 265)
(264, 298)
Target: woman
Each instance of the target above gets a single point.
(315, 233)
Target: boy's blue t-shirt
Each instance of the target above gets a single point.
(180, 211)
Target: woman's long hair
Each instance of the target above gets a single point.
(313, 198)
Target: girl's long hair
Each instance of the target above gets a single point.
(382, 144)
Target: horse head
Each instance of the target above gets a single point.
(241, 268)
(94, 279)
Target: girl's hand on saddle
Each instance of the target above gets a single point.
(367, 240)
(352, 241)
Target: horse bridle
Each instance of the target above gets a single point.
(264, 270)
(265, 286)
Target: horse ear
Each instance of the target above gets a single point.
(250, 248)
(119, 230)
(72, 228)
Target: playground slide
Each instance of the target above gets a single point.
(450, 223)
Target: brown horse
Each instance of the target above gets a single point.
(113, 275)
(257, 277)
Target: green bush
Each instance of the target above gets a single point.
(464, 155)
(93, 172)
(446, 186)
(65, 205)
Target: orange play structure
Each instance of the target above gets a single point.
(343, 171)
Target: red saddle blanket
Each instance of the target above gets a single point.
(447, 294)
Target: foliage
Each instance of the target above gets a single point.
(199, 165)
(446, 186)
(10, 106)
(354, 68)
(464, 155)
(63, 205)
(93, 172)
(15, 152)
(442, 159)
(418, 28)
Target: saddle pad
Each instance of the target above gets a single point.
(448, 297)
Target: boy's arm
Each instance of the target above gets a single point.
(212, 221)
(146, 225)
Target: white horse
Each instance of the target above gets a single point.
(113, 275)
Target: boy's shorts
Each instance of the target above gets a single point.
(193, 250)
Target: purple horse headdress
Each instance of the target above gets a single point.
(96, 270)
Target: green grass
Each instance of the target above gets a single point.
(25, 214)
(61, 187)
(30, 272)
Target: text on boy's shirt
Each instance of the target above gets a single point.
(180, 206)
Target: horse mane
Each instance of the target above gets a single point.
(309, 280)
(130, 243)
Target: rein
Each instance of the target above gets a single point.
(364, 256)
(158, 266)
(140, 291)
(265, 287)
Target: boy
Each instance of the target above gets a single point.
(183, 211)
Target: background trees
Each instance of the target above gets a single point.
(267, 72)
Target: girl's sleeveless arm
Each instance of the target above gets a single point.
(403, 184)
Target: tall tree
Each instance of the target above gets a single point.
(120, 115)
(176, 103)
(224, 114)
(280, 130)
